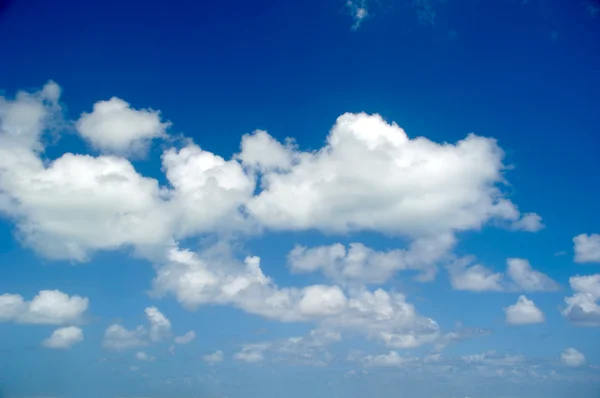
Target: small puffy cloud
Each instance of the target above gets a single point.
(527, 279)
(49, 307)
(464, 275)
(251, 353)
(117, 338)
(572, 358)
(523, 312)
(64, 338)
(474, 278)
(143, 356)
(160, 326)
(117, 128)
(213, 358)
(358, 11)
(587, 248)
(529, 222)
(186, 338)
(582, 307)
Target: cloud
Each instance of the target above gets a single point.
(142, 356)
(582, 307)
(358, 10)
(494, 359)
(592, 8)
(464, 275)
(117, 338)
(217, 278)
(186, 338)
(251, 353)
(64, 338)
(587, 248)
(213, 358)
(361, 264)
(114, 127)
(572, 358)
(392, 359)
(160, 326)
(48, 307)
(523, 312)
(425, 11)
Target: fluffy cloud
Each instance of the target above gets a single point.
(186, 338)
(464, 275)
(213, 358)
(64, 338)
(361, 264)
(251, 353)
(160, 326)
(117, 338)
(358, 11)
(49, 307)
(411, 187)
(587, 248)
(205, 278)
(572, 358)
(523, 312)
(115, 127)
(582, 307)
(143, 356)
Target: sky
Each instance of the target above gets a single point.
(299, 199)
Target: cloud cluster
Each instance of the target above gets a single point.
(464, 275)
(118, 338)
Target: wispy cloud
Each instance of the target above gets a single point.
(358, 10)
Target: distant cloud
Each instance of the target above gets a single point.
(186, 338)
(582, 307)
(587, 248)
(213, 358)
(64, 338)
(358, 10)
(523, 312)
(572, 358)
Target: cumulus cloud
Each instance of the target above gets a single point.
(464, 275)
(587, 248)
(523, 312)
(118, 338)
(143, 356)
(582, 307)
(196, 280)
(251, 353)
(572, 358)
(64, 338)
(360, 264)
(115, 127)
(186, 338)
(213, 358)
(160, 326)
(49, 307)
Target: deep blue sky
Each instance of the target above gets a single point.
(526, 73)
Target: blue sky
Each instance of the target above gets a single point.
(321, 198)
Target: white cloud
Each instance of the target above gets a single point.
(523, 312)
(213, 358)
(492, 358)
(572, 358)
(582, 307)
(385, 360)
(143, 356)
(206, 278)
(411, 187)
(358, 10)
(464, 275)
(117, 338)
(361, 264)
(49, 307)
(64, 338)
(117, 128)
(251, 353)
(587, 248)
(526, 278)
(186, 338)
(160, 326)
(529, 222)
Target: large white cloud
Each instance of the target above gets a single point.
(49, 307)
(582, 307)
(587, 248)
(115, 127)
(371, 176)
(523, 312)
(465, 275)
(64, 338)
